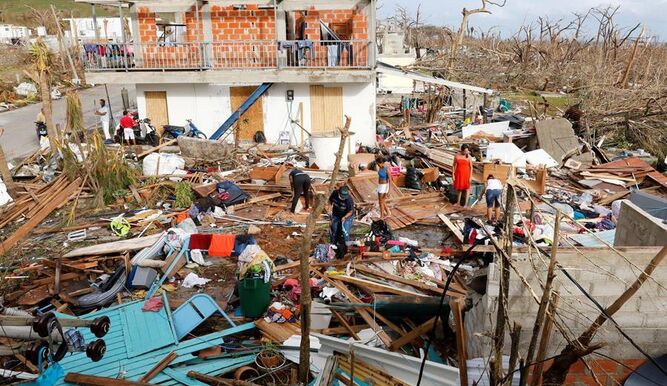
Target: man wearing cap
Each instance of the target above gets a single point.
(342, 215)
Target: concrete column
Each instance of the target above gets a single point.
(208, 34)
(371, 24)
(134, 19)
(281, 34)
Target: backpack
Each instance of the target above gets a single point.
(230, 194)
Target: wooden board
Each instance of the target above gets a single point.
(156, 108)
(326, 108)
(278, 331)
(252, 120)
(400, 219)
(115, 246)
(364, 189)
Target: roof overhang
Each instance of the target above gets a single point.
(385, 68)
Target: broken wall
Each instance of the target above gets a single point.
(635, 227)
(605, 275)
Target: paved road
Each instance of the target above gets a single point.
(20, 138)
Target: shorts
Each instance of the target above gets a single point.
(128, 134)
(383, 188)
(493, 198)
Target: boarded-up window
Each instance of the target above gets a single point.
(156, 108)
(326, 108)
(252, 120)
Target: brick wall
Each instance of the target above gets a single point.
(247, 24)
(147, 27)
(608, 372)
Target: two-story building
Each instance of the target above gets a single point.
(200, 60)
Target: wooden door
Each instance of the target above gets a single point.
(252, 120)
(156, 108)
(326, 108)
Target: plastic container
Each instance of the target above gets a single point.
(320, 316)
(255, 296)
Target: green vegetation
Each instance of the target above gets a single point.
(522, 98)
(19, 12)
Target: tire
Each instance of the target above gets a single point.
(201, 135)
(167, 136)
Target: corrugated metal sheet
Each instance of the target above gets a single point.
(595, 239)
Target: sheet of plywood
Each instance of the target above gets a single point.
(364, 188)
(556, 137)
(326, 108)
(156, 108)
(252, 120)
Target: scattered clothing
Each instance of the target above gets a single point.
(154, 304)
(221, 245)
(193, 280)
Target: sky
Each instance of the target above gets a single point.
(508, 19)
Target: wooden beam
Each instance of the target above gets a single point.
(412, 335)
(398, 279)
(544, 339)
(461, 345)
(156, 148)
(345, 324)
(161, 365)
(375, 287)
(92, 380)
(457, 233)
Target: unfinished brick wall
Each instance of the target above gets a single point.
(194, 31)
(243, 38)
(607, 371)
(353, 22)
(147, 27)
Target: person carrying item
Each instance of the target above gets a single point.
(462, 173)
(300, 183)
(341, 210)
(105, 117)
(383, 185)
(127, 123)
(494, 189)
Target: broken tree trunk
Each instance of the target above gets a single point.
(499, 335)
(305, 299)
(571, 354)
(542, 310)
(6, 174)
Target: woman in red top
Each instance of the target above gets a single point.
(462, 173)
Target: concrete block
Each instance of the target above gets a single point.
(636, 227)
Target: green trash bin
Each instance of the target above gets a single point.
(255, 296)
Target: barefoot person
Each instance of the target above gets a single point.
(383, 185)
(462, 173)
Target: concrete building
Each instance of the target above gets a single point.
(10, 33)
(393, 51)
(201, 60)
(88, 29)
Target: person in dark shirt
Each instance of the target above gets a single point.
(341, 208)
(300, 183)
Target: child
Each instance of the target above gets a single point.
(494, 189)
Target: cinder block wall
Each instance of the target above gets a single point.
(605, 275)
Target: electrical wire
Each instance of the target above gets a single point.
(431, 334)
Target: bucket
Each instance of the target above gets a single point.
(255, 296)
(320, 316)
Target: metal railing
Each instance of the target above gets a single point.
(261, 54)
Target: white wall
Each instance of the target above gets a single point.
(209, 106)
(397, 84)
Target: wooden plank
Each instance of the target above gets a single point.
(161, 365)
(365, 315)
(345, 324)
(461, 344)
(92, 380)
(456, 231)
(115, 246)
(39, 216)
(156, 148)
(398, 279)
(373, 286)
(252, 120)
(157, 109)
(317, 109)
(412, 335)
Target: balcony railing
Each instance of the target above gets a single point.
(260, 54)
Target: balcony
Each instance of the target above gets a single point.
(229, 55)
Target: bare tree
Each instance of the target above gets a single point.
(410, 26)
(464, 24)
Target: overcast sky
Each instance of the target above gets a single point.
(517, 12)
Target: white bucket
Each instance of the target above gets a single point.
(320, 316)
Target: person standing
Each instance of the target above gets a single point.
(342, 215)
(40, 116)
(105, 117)
(494, 189)
(462, 173)
(383, 185)
(300, 183)
(127, 123)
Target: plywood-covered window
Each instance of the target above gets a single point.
(326, 108)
